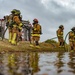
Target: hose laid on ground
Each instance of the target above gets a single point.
(53, 38)
(64, 40)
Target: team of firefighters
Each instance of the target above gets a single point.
(71, 38)
(15, 25)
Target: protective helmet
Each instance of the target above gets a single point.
(18, 12)
(73, 28)
(13, 11)
(35, 20)
(61, 26)
(6, 17)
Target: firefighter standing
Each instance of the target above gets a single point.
(17, 26)
(60, 35)
(10, 27)
(74, 38)
(36, 31)
(27, 30)
(71, 39)
(8, 20)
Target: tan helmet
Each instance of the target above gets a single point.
(61, 26)
(16, 12)
(13, 11)
(73, 28)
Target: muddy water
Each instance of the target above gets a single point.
(53, 63)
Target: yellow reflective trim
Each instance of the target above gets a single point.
(35, 34)
(34, 28)
(20, 27)
(20, 24)
(59, 35)
(14, 25)
(61, 32)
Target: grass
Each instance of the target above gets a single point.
(24, 46)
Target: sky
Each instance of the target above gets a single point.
(50, 14)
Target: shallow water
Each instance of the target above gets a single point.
(53, 63)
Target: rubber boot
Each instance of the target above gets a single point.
(10, 36)
(37, 44)
(60, 44)
(31, 45)
(14, 39)
(72, 49)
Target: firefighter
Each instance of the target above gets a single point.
(71, 39)
(10, 28)
(27, 30)
(17, 26)
(60, 35)
(74, 38)
(8, 20)
(36, 31)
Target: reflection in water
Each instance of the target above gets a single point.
(54, 63)
(18, 63)
(72, 62)
(59, 62)
(34, 61)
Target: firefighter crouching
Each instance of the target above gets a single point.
(17, 26)
(60, 36)
(36, 32)
(71, 38)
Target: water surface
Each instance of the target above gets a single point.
(53, 63)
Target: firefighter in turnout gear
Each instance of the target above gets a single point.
(74, 39)
(8, 20)
(36, 32)
(71, 38)
(60, 35)
(17, 26)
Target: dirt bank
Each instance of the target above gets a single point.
(25, 46)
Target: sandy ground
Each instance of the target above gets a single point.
(25, 46)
